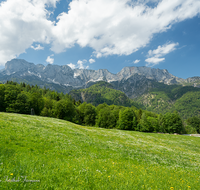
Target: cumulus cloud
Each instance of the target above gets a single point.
(72, 66)
(114, 27)
(155, 55)
(163, 50)
(118, 26)
(92, 61)
(81, 64)
(22, 23)
(136, 61)
(154, 61)
(50, 59)
(37, 47)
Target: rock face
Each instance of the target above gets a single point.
(134, 81)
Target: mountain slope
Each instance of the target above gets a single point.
(171, 98)
(133, 81)
(102, 92)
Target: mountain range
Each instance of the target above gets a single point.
(142, 87)
(133, 81)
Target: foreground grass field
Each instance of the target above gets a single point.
(47, 153)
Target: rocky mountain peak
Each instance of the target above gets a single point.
(16, 65)
(128, 80)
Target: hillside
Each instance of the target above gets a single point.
(169, 98)
(57, 154)
(102, 92)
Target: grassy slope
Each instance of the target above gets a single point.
(63, 155)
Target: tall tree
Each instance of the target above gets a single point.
(65, 109)
(126, 118)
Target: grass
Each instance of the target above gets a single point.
(56, 154)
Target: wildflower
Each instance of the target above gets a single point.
(108, 176)
(11, 174)
(172, 188)
(189, 187)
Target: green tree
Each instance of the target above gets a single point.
(87, 114)
(2, 94)
(65, 109)
(11, 93)
(194, 122)
(37, 102)
(48, 110)
(126, 118)
(22, 104)
(172, 123)
(144, 123)
(106, 118)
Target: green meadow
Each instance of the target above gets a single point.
(48, 153)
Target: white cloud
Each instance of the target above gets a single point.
(154, 61)
(92, 61)
(118, 26)
(38, 47)
(155, 55)
(98, 54)
(163, 50)
(50, 59)
(22, 23)
(136, 61)
(81, 64)
(114, 27)
(72, 66)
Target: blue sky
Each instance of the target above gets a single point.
(103, 34)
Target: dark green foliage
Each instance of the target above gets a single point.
(139, 115)
(48, 109)
(106, 118)
(22, 104)
(194, 122)
(65, 109)
(127, 119)
(11, 93)
(148, 123)
(37, 102)
(190, 130)
(2, 94)
(101, 106)
(87, 114)
(172, 123)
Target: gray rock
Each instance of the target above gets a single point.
(134, 81)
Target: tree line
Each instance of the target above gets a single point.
(21, 98)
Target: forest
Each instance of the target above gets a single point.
(22, 98)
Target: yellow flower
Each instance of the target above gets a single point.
(11, 174)
(189, 187)
(171, 188)
(108, 176)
